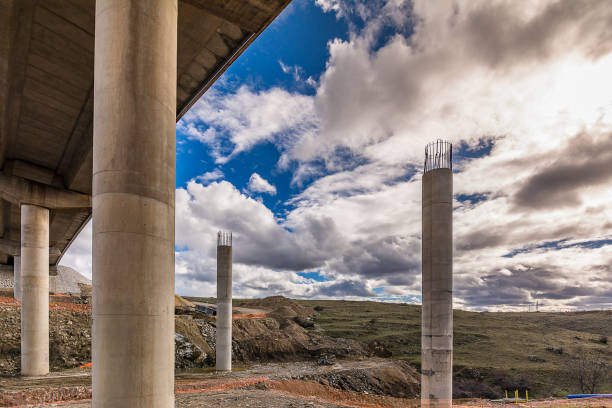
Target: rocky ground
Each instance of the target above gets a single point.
(285, 347)
(231, 399)
(294, 384)
(287, 334)
(69, 339)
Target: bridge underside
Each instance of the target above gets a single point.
(46, 97)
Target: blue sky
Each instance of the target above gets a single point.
(310, 150)
(303, 52)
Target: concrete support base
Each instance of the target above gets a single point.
(34, 290)
(133, 203)
(437, 320)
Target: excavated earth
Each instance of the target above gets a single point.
(284, 346)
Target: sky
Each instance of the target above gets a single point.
(310, 149)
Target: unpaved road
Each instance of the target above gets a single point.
(296, 384)
(239, 310)
(275, 371)
(231, 399)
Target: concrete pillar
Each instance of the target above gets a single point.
(437, 285)
(224, 301)
(34, 290)
(133, 203)
(17, 277)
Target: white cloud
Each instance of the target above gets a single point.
(206, 178)
(531, 77)
(247, 118)
(258, 184)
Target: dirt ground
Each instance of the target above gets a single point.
(287, 333)
(297, 384)
(232, 399)
(69, 338)
(273, 357)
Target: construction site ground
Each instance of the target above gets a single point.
(294, 384)
(231, 398)
(284, 359)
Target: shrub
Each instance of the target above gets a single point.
(473, 388)
(588, 370)
(507, 381)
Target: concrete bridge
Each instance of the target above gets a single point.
(90, 92)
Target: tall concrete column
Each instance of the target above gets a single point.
(437, 285)
(224, 301)
(34, 290)
(17, 277)
(133, 203)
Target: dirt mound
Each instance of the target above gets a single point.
(179, 301)
(393, 378)
(287, 335)
(266, 340)
(191, 329)
(263, 340)
(69, 339)
(280, 307)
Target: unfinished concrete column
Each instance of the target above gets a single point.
(17, 277)
(133, 203)
(34, 290)
(437, 252)
(224, 301)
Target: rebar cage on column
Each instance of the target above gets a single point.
(224, 238)
(438, 155)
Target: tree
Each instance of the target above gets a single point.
(588, 370)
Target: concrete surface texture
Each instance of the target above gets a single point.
(17, 277)
(35, 290)
(133, 203)
(224, 306)
(437, 312)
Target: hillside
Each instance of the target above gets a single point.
(490, 348)
(493, 351)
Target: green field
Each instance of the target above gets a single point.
(494, 347)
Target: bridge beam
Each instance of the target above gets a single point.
(13, 248)
(18, 190)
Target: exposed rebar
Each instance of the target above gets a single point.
(438, 155)
(224, 238)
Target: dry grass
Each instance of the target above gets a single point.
(487, 342)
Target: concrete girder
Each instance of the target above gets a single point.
(20, 191)
(13, 248)
(216, 8)
(33, 172)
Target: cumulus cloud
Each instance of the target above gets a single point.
(586, 161)
(525, 82)
(233, 123)
(258, 184)
(207, 177)
(258, 236)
